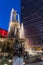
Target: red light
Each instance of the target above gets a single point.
(3, 33)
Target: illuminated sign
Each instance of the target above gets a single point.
(3, 33)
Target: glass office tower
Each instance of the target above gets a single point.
(32, 17)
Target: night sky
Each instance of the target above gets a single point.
(5, 10)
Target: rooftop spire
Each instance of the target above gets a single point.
(13, 15)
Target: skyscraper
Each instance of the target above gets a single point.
(32, 17)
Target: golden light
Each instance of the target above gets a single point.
(5, 64)
(9, 60)
(22, 31)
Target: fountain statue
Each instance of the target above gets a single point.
(15, 32)
(16, 47)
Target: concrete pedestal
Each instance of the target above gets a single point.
(18, 61)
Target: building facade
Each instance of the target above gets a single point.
(32, 17)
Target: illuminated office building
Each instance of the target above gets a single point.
(32, 17)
